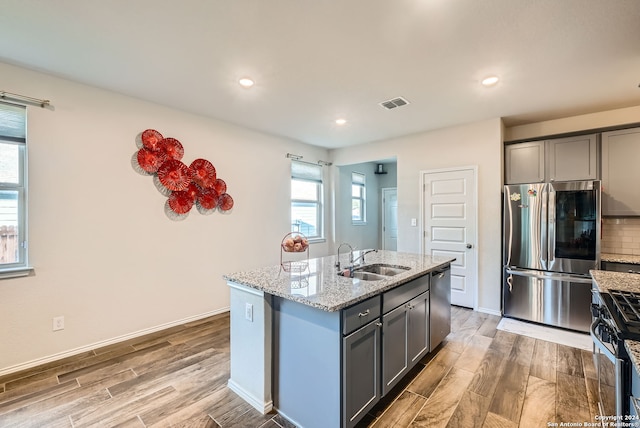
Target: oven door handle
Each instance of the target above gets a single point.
(600, 344)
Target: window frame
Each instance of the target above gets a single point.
(17, 137)
(359, 179)
(309, 173)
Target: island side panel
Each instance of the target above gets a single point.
(251, 339)
(307, 364)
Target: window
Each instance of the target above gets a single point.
(13, 253)
(306, 199)
(358, 198)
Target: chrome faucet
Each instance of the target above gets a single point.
(361, 256)
(350, 255)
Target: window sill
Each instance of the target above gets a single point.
(16, 272)
(358, 223)
(317, 240)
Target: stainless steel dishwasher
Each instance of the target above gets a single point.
(440, 306)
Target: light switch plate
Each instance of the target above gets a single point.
(248, 312)
(414, 222)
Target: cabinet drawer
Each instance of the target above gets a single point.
(360, 314)
(402, 294)
(621, 267)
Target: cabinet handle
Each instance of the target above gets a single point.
(364, 314)
(379, 324)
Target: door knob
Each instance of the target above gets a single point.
(469, 246)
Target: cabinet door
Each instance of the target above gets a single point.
(418, 334)
(620, 172)
(360, 372)
(524, 162)
(574, 158)
(395, 358)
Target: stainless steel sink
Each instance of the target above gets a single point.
(375, 272)
(364, 276)
(382, 269)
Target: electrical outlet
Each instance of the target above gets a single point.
(248, 312)
(414, 222)
(58, 323)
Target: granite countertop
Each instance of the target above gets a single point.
(620, 258)
(608, 280)
(320, 286)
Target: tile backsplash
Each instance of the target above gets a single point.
(621, 236)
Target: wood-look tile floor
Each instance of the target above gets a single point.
(479, 377)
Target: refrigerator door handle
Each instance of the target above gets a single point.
(545, 226)
(551, 226)
(510, 282)
(549, 275)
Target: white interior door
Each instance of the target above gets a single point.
(449, 227)
(390, 219)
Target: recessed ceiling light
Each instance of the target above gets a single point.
(245, 82)
(341, 121)
(490, 81)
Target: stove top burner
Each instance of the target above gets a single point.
(628, 305)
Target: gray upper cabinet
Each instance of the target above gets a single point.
(524, 162)
(620, 172)
(573, 158)
(561, 159)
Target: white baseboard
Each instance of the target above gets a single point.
(489, 311)
(76, 351)
(259, 405)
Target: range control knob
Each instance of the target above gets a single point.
(605, 334)
(596, 310)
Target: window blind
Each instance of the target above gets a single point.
(357, 178)
(13, 122)
(306, 171)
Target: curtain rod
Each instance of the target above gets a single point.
(298, 158)
(24, 99)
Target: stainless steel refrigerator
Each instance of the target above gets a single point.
(551, 241)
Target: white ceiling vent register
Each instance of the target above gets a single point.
(396, 102)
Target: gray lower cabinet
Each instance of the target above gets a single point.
(418, 343)
(395, 327)
(406, 339)
(405, 330)
(361, 372)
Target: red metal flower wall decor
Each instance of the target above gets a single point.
(185, 186)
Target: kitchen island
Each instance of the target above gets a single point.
(324, 348)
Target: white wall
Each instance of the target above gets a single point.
(105, 255)
(477, 143)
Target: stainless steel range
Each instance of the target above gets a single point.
(616, 317)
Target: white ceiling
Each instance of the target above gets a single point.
(316, 60)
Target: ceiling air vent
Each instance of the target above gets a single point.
(396, 102)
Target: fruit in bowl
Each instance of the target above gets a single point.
(295, 244)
